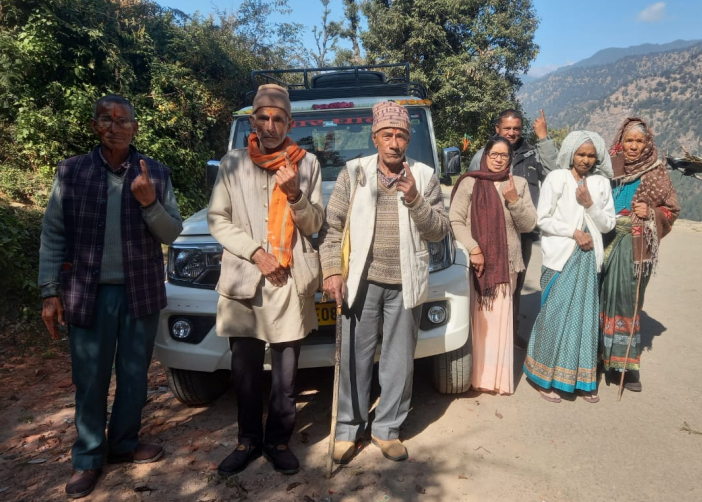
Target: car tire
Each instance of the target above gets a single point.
(452, 371)
(197, 388)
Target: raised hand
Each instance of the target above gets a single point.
(509, 192)
(288, 180)
(540, 128)
(583, 240)
(142, 188)
(335, 288)
(582, 194)
(640, 209)
(52, 311)
(271, 269)
(407, 185)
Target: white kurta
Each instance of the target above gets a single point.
(559, 215)
(274, 315)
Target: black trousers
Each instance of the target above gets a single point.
(247, 372)
(527, 243)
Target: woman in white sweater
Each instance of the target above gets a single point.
(575, 209)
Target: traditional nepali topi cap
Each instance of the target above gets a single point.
(274, 96)
(390, 114)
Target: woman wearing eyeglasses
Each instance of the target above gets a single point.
(489, 211)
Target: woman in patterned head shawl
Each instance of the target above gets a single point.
(575, 209)
(646, 206)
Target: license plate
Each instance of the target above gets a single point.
(326, 314)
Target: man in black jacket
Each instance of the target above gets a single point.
(532, 163)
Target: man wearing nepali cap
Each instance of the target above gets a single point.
(265, 206)
(390, 206)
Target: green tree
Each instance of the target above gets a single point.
(325, 37)
(277, 45)
(350, 30)
(184, 75)
(468, 53)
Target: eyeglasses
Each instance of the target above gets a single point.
(496, 155)
(106, 122)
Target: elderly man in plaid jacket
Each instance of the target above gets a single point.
(101, 273)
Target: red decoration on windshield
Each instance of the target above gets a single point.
(331, 106)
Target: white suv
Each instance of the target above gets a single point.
(333, 117)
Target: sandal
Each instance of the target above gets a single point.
(551, 398)
(590, 398)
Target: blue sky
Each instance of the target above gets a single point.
(569, 31)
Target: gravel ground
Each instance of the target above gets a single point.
(470, 447)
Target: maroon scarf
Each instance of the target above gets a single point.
(487, 224)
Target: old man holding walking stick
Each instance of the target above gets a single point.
(390, 206)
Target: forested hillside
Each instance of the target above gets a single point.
(185, 76)
(663, 88)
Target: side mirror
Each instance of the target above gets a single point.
(451, 157)
(451, 160)
(211, 173)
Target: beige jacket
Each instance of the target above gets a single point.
(238, 219)
(520, 217)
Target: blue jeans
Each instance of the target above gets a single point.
(93, 350)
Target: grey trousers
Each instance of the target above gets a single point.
(376, 303)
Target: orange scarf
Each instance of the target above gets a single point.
(281, 228)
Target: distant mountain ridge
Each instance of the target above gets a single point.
(613, 54)
(662, 87)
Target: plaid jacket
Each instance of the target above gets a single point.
(84, 193)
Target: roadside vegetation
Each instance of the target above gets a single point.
(185, 76)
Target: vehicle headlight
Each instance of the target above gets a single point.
(196, 265)
(441, 254)
(190, 329)
(181, 329)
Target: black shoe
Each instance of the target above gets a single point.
(283, 460)
(632, 382)
(82, 483)
(238, 460)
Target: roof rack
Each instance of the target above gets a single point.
(340, 82)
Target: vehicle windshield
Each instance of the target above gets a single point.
(339, 135)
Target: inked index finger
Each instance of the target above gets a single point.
(542, 114)
(144, 167)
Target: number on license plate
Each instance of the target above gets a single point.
(326, 314)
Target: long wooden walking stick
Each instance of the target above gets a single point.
(335, 398)
(345, 256)
(633, 322)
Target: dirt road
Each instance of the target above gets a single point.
(472, 447)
